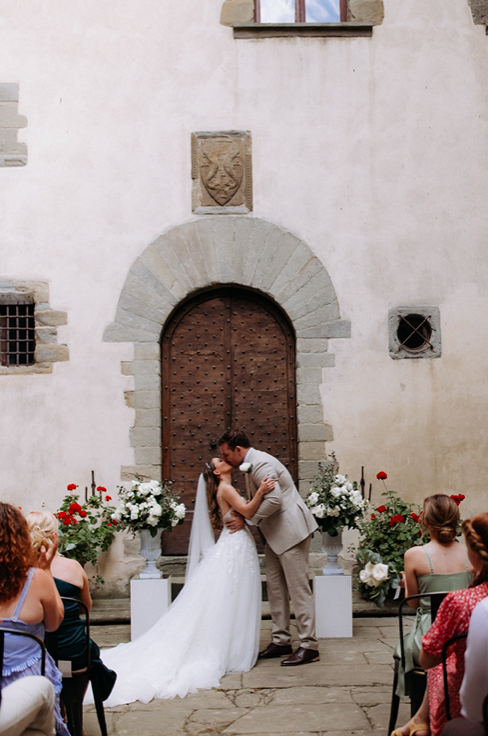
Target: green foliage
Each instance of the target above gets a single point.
(85, 530)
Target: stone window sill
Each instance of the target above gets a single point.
(305, 30)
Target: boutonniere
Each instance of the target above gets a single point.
(245, 467)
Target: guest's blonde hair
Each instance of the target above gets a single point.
(41, 525)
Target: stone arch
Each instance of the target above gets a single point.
(205, 253)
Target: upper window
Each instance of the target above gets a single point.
(301, 11)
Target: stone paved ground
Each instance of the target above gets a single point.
(348, 691)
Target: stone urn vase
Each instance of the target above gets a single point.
(332, 546)
(150, 550)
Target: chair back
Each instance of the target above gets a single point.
(435, 601)
(52, 638)
(445, 652)
(4, 631)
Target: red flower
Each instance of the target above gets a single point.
(373, 516)
(73, 520)
(62, 515)
(74, 508)
(67, 521)
(395, 519)
(460, 497)
(72, 487)
(101, 489)
(109, 524)
(108, 498)
(114, 522)
(381, 475)
(381, 509)
(415, 517)
(82, 513)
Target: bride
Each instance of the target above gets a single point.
(213, 626)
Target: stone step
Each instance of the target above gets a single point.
(116, 611)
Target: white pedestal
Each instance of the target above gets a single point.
(333, 606)
(149, 599)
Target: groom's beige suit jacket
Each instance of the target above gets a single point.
(282, 516)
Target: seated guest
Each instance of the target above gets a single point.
(29, 602)
(72, 582)
(440, 565)
(453, 618)
(28, 708)
(475, 682)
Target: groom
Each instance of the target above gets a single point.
(287, 526)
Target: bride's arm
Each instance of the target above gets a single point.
(239, 504)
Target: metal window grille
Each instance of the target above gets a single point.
(17, 334)
(414, 332)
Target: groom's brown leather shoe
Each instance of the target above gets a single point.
(275, 650)
(301, 656)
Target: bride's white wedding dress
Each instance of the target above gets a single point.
(212, 628)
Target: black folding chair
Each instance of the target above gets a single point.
(76, 683)
(4, 631)
(417, 676)
(445, 649)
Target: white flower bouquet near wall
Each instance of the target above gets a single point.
(149, 506)
(334, 501)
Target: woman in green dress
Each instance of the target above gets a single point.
(440, 565)
(71, 581)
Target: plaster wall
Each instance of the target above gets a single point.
(374, 151)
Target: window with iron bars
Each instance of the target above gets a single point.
(17, 334)
(300, 11)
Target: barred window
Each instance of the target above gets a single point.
(17, 334)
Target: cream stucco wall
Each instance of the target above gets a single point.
(374, 151)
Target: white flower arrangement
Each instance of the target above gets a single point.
(334, 501)
(149, 505)
(374, 575)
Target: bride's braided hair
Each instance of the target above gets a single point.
(476, 533)
(211, 485)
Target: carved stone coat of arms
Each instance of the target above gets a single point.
(221, 172)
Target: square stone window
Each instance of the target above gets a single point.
(414, 332)
(29, 329)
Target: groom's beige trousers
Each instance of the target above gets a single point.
(287, 577)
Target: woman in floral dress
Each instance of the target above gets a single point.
(453, 618)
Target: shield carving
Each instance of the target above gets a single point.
(221, 167)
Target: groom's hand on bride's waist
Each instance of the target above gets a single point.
(235, 522)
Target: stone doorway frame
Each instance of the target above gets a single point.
(207, 253)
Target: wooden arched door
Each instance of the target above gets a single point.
(228, 360)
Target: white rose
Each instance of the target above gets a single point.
(340, 479)
(145, 489)
(154, 485)
(180, 511)
(319, 511)
(152, 520)
(174, 522)
(155, 509)
(349, 487)
(173, 505)
(245, 467)
(335, 491)
(380, 572)
(134, 513)
(313, 498)
(364, 577)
